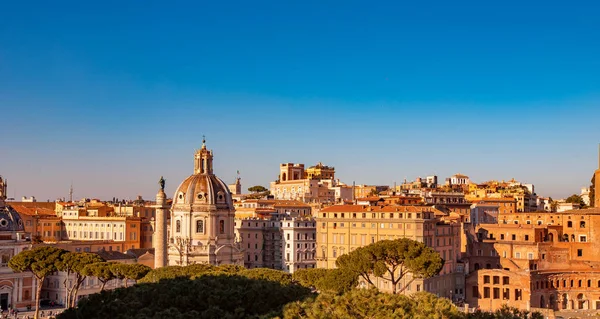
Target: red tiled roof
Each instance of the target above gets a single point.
(32, 211)
(367, 208)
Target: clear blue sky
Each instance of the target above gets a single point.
(113, 94)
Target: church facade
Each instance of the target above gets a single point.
(202, 219)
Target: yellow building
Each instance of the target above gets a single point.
(320, 171)
(343, 228)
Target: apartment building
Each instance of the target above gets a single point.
(343, 228)
(279, 242)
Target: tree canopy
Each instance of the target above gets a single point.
(73, 263)
(208, 296)
(102, 270)
(257, 189)
(576, 199)
(336, 281)
(392, 260)
(41, 261)
(370, 303)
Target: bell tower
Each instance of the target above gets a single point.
(3, 188)
(203, 160)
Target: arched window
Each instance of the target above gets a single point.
(579, 284)
(178, 226)
(569, 224)
(199, 226)
(477, 268)
(589, 283)
(488, 266)
(582, 224)
(222, 227)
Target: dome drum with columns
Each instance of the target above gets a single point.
(202, 218)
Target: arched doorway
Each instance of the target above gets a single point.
(5, 296)
(550, 237)
(551, 302)
(581, 302)
(565, 301)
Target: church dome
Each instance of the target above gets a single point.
(10, 220)
(203, 187)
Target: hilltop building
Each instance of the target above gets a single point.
(317, 184)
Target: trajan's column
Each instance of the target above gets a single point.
(160, 227)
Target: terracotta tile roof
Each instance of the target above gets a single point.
(370, 199)
(33, 211)
(113, 255)
(47, 205)
(139, 252)
(375, 209)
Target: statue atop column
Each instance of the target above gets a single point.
(161, 182)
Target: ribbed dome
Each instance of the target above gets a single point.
(202, 189)
(10, 220)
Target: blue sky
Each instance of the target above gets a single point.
(112, 95)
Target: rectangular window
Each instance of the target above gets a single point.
(530, 256)
(579, 252)
(486, 292)
(505, 280)
(514, 237)
(496, 280)
(517, 255)
(486, 279)
(496, 293)
(582, 239)
(475, 292)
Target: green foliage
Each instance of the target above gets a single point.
(191, 272)
(222, 296)
(576, 199)
(391, 260)
(257, 189)
(73, 263)
(102, 270)
(168, 272)
(268, 274)
(369, 303)
(309, 277)
(506, 313)
(336, 281)
(41, 261)
(136, 271)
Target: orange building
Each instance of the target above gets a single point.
(551, 261)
